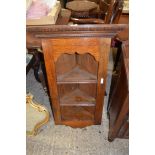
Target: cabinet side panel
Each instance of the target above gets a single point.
(102, 75)
(51, 77)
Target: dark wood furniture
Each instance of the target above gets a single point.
(37, 64)
(79, 6)
(122, 36)
(64, 17)
(76, 60)
(118, 108)
(82, 9)
(107, 12)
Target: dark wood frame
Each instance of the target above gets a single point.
(118, 108)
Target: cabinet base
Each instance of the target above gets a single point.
(77, 124)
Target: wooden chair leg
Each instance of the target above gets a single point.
(39, 71)
(36, 65)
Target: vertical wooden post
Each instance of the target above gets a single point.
(50, 69)
(102, 74)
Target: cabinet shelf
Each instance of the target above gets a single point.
(77, 98)
(76, 75)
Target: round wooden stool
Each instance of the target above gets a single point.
(80, 9)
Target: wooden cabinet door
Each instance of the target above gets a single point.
(76, 72)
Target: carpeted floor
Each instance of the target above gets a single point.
(62, 140)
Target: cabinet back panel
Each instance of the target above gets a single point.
(90, 89)
(77, 113)
(64, 89)
(88, 62)
(65, 63)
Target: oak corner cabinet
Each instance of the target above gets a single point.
(76, 59)
(76, 71)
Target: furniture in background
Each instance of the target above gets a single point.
(118, 106)
(64, 17)
(122, 36)
(81, 8)
(107, 11)
(34, 59)
(114, 11)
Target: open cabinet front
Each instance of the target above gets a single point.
(76, 71)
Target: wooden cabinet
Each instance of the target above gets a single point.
(76, 71)
(119, 99)
(76, 59)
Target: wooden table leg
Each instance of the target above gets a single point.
(38, 67)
